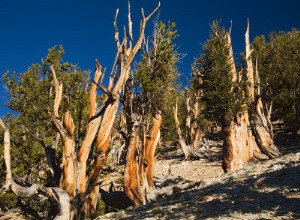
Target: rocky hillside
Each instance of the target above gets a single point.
(263, 190)
(266, 190)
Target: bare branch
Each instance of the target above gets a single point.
(124, 43)
(58, 92)
(249, 65)
(59, 126)
(149, 16)
(230, 28)
(102, 76)
(93, 94)
(102, 87)
(140, 40)
(231, 57)
(183, 144)
(269, 110)
(129, 27)
(116, 30)
(114, 70)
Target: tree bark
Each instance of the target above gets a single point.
(151, 144)
(132, 179)
(138, 173)
(59, 198)
(248, 135)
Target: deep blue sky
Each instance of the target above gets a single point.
(85, 28)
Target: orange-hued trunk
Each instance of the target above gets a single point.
(151, 144)
(68, 180)
(138, 174)
(132, 180)
(89, 208)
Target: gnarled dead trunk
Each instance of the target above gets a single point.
(59, 198)
(138, 174)
(191, 143)
(248, 135)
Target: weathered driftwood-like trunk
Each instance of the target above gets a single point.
(78, 193)
(59, 198)
(248, 135)
(191, 143)
(139, 168)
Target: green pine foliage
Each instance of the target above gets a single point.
(213, 78)
(279, 68)
(31, 95)
(157, 75)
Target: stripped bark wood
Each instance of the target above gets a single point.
(59, 198)
(139, 167)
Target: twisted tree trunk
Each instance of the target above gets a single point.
(138, 174)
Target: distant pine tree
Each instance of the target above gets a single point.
(279, 66)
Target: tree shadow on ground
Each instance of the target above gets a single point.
(271, 194)
(286, 139)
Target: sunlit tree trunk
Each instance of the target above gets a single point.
(248, 135)
(139, 168)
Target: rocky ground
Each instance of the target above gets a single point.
(264, 190)
(267, 190)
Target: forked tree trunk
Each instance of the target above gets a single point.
(87, 191)
(248, 135)
(138, 174)
(191, 143)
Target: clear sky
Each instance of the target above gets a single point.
(28, 28)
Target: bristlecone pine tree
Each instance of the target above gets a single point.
(279, 66)
(77, 194)
(156, 77)
(247, 130)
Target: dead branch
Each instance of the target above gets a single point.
(249, 65)
(93, 94)
(129, 27)
(58, 92)
(58, 196)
